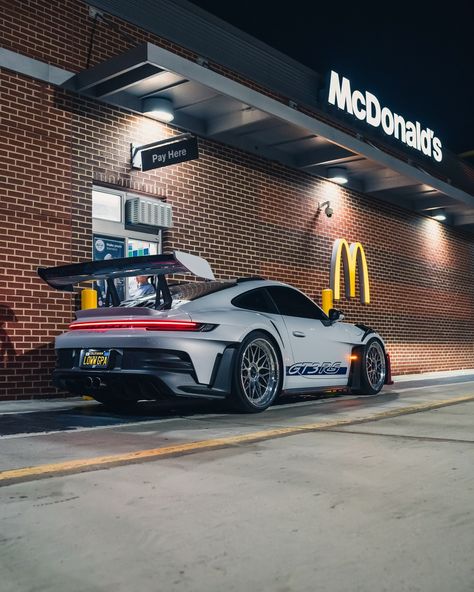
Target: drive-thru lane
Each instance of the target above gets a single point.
(365, 505)
(78, 435)
(27, 418)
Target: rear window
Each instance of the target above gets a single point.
(194, 290)
(185, 291)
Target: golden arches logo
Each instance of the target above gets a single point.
(352, 258)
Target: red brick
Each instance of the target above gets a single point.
(246, 215)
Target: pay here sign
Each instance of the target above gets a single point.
(170, 153)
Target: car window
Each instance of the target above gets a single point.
(194, 290)
(292, 303)
(257, 300)
(183, 292)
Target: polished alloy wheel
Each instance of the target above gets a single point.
(259, 372)
(375, 365)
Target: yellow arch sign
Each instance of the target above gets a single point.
(352, 258)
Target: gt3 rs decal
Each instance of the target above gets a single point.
(316, 369)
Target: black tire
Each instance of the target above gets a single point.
(373, 369)
(257, 373)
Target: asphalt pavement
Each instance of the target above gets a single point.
(327, 493)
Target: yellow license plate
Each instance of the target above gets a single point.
(93, 358)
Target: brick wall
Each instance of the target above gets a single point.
(35, 230)
(246, 215)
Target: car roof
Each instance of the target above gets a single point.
(221, 292)
(240, 287)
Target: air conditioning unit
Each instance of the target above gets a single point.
(148, 212)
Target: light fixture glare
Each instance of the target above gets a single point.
(438, 214)
(158, 107)
(338, 175)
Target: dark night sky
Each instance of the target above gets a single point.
(416, 57)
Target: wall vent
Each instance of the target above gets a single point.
(148, 212)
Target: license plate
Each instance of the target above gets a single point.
(94, 358)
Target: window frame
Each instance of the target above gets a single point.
(112, 229)
(118, 229)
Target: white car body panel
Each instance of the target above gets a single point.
(247, 339)
(321, 344)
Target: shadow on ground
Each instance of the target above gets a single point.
(93, 414)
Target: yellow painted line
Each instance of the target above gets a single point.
(99, 462)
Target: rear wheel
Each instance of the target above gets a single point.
(258, 374)
(373, 368)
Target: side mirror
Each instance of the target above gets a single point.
(335, 315)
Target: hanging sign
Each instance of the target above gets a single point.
(166, 153)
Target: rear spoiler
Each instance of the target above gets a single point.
(66, 276)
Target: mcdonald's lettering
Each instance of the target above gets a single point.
(353, 259)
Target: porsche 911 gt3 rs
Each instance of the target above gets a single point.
(247, 339)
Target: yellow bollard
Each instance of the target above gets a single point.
(88, 298)
(327, 300)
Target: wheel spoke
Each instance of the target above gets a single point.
(375, 365)
(260, 372)
(254, 354)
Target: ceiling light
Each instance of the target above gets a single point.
(438, 214)
(338, 175)
(158, 107)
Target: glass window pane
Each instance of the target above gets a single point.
(105, 248)
(106, 206)
(255, 300)
(138, 248)
(294, 304)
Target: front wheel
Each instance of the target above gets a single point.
(258, 373)
(373, 370)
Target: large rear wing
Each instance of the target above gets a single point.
(66, 276)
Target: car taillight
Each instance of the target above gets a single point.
(148, 325)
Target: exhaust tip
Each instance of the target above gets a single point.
(94, 382)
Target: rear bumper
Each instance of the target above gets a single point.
(144, 374)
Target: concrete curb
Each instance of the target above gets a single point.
(433, 375)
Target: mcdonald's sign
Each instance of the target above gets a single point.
(352, 259)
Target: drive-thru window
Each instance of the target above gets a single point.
(114, 236)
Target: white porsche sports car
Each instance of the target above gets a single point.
(246, 339)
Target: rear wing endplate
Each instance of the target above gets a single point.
(66, 276)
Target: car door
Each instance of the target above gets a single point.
(321, 350)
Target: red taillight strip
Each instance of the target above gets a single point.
(148, 325)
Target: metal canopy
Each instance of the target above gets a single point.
(213, 106)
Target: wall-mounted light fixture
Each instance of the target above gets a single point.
(438, 214)
(158, 107)
(328, 211)
(338, 175)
